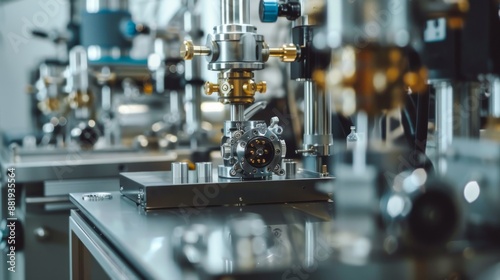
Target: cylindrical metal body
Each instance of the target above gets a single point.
(235, 11)
(494, 103)
(235, 44)
(317, 119)
(179, 172)
(204, 172)
(444, 120)
(290, 167)
(237, 112)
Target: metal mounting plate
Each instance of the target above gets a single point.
(155, 190)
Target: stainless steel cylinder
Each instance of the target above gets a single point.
(317, 117)
(495, 98)
(180, 172)
(204, 172)
(235, 11)
(290, 167)
(444, 121)
(237, 112)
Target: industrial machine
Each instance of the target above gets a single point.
(395, 170)
(410, 191)
(250, 149)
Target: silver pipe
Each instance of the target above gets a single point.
(237, 112)
(444, 120)
(317, 116)
(309, 244)
(235, 12)
(495, 97)
(309, 108)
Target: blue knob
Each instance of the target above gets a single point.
(269, 10)
(128, 28)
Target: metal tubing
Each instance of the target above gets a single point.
(237, 112)
(317, 116)
(444, 120)
(235, 12)
(495, 98)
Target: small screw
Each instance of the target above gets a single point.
(232, 172)
(272, 138)
(278, 151)
(242, 144)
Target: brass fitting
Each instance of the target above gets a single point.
(189, 50)
(251, 87)
(211, 88)
(235, 87)
(287, 53)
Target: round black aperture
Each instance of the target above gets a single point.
(434, 218)
(259, 152)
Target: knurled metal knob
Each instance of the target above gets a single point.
(287, 53)
(211, 88)
(189, 50)
(261, 87)
(251, 87)
(268, 10)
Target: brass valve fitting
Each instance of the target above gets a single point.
(287, 53)
(251, 87)
(189, 50)
(211, 88)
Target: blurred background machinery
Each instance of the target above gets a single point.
(370, 150)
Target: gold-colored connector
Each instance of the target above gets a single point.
(261, 87)
(189, 50)
(287, 53)
(251, 87)
(211, 88)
